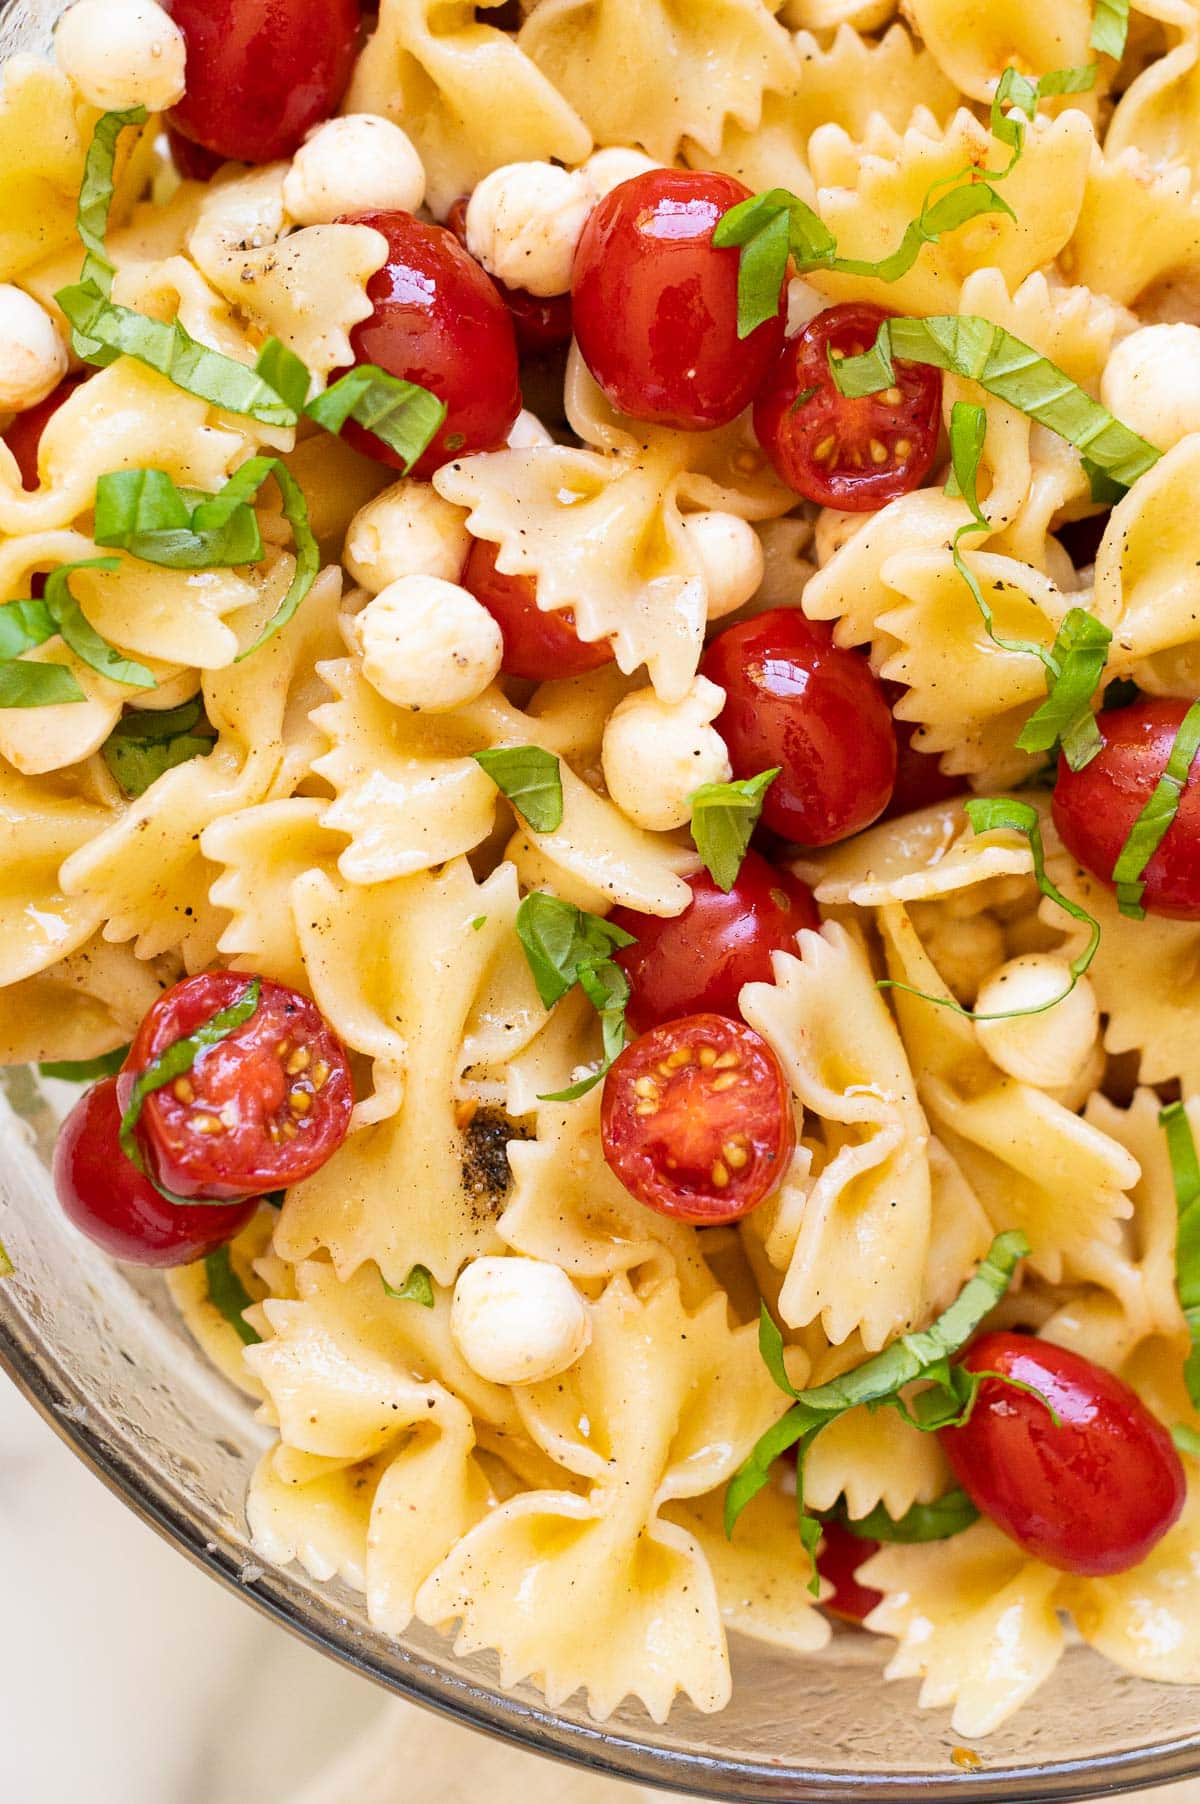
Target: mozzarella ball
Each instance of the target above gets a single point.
(1048, 1049)
(33, 356)
(607, 169)
(730, 555)
(408, 530)
(1152, 383)
(1088, 1078)
(657, 754)
(122, 53)
(428, 645)
(358, 164)
(524, 221)
(517, 1320)
(527, 431)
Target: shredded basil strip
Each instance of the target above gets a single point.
(724, 815)
(565, 946)
(91, 218)
(1185, 1172)
(1110, 27)
(402, 414)
(1154, 822)
(29, 622)
(228, 1294)
(174, 1062)
(145, 513)
(85, 1071)
(417, 1287)
(148, 742)
(878, 1381)
(286, 373)
(7, 1268)
(1186, 1439)
(531, 780)
(936, 1521)
(81, 636)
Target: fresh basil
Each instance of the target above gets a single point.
(286, 373)
(417, 1287)
(1110, 27)
(936, 1521)
(724, 815)
(1185, 1173)
(85, 1071)
(1154, 822)
(31, 621)
(531, 780)
(565, 946)
(228, 1294)
(1186, 1439)
(144, 744)
(81, 637)
(404, 415)
(30, 685)
(144, 513)
(95, 204)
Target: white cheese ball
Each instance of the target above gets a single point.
(33, 356)
(524, 221)
(1152, 383)
(358, 164)
(408, 530)
(517, 1320)
(1049, 1049)
(730, 555)
(122, 53)
(607, 169)
(657, 754)
(428, 645)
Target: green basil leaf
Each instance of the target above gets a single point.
(286, 373)
(1185, 1171)
(144, 513)
(531, 780)
(417, 1287)
(85, 1071)
(1105, 491)
(295, 511)
(82, 638)
(724, 815)
(144, 744)
(27, 685)
(24, 624)
(1023, 94)
(558, 939)
(228, 1294)
(607, 989)
(95, 203)
(1110, 27)
(1076, 667)
(403, 414)
(1186, 1439)
(1154, 822)
(755, 1471)
(7, 1268)
(936, 1521)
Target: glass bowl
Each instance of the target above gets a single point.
(100, 1353)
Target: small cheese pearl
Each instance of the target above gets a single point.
(607, 169)
(1047, 1049)
(408, 530)
(427, 644)
(657, 754)
(33, 357)
(730, 555)
(517, 1320)
(122, 53)
(524, 221)
(358, 164)
(1152, 383)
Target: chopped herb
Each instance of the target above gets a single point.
(478, 922)
(404, 415)
(417, 1287)
(936, 1521)
(1185, 1172)
(565, 946)
(1154, 822)
(1110, 27)
(144, 513)
(228, 1294)
(531, 780)
(7, 1268)
(724, 815)
(1186, 1439)
(85, 1071)
(146, 743)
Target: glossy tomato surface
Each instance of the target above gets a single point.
(697, 962)
(194, 163)
(259, 1110)
(541, 321)
(841, 452)
(919, 778)
(655, 302)
(23, 435)
(438, 320)
(262, 73)
(795, 699)
(1095, 808)
(1092, 1495)
(110, 1201)
(696, 1119)
(838, 1561)
(541, 646)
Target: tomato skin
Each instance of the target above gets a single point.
(795, 699)
(537, 645)
(655, 303)
(542, 322)
(439, 321)
(262, 73)
(1095, 808)
(1092, 1496)
(920, 781)
(792, 431)
(110, 1201)
(266, 1140)
(838, 1561)
(670, 1117)
(697, 962)
(194, 163)
(23, 435)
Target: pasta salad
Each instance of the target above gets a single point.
(599, 672)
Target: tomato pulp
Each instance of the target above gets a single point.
(542, 322)
(23, 435)
(840, 1557)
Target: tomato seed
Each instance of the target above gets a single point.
(298, 1062)
(319, 1074)
(205, 1124)
(708, 1056)
(720, 1175)
(182, 1090)
(878, 452)
(823, 453)
(299, 1101)
(891, 397)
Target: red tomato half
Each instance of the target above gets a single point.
(840, 1557)
(1095, 808)
(655, 303)
(110, 1201)
(697, 1119)
(795, 699)
(542, 322)
(537, 645)
(1093, 1495)
(919, 779)
(262, 73)
(839, 452)
(258, 1111)
(194, 163)
(697, 962)
(24, 435)
(439, 321)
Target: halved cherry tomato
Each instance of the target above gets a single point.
(840, 1557)
(541, 321)
(259, 1110)
(541, 646)
(194, 163)
(1095, 808)
(655, 303)
(855, 454)
(23, 435)
(697, 1119)
(110, 1201)
(260, 76)
(697, 962)
(795, 699)
(920, 781)
(1092, 1495)
(439, 321)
